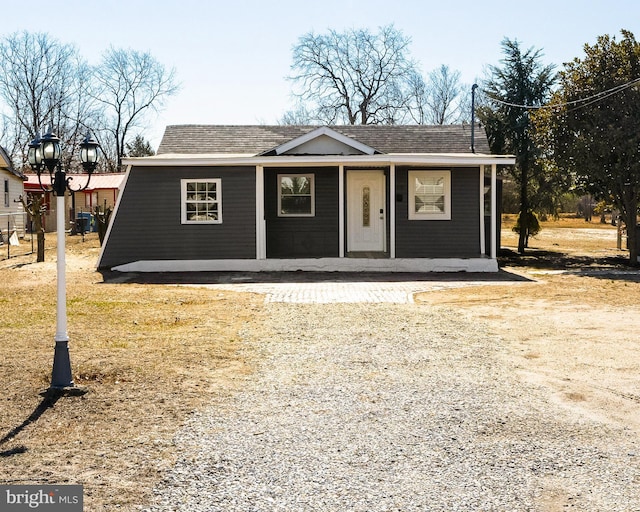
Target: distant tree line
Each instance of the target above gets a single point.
(46, 84)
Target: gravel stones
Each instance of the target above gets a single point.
(392, 407)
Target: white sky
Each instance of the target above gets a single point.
(232, 56)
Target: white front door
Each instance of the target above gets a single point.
(366, 211)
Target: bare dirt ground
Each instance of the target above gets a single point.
(574, 326)
(150, 355)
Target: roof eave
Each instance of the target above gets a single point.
(167, 160)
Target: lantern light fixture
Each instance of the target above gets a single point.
(44, 152)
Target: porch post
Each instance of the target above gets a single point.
(261, 229)
(341, 200)
(483, 245)
(392, 211)
(494, 211)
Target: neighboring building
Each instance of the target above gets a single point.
(12, 215)
(275, 198)
(103, 189)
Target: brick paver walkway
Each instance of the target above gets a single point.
(344, 291)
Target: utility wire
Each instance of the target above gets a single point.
(589, 100)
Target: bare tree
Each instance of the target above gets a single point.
(354, 77)
(443, 97)
(40, 85)
(130, 84)
(418, 94)
(299, 115)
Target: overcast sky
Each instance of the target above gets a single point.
(232, 57)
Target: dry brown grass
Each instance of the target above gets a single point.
(568, 235)
(148, 355)
(151, 354)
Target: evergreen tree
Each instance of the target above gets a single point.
(522, 81)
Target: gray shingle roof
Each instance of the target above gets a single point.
(256, 139)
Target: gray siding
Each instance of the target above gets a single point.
(148, 223)
(455, 238)
(303, 237)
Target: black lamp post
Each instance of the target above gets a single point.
(44, 152)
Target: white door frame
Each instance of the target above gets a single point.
(366, 219)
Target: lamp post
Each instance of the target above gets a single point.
(44, 152)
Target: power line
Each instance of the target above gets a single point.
(589, 100)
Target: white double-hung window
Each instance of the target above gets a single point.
(430, 195)
(201, 201)
(296, 195)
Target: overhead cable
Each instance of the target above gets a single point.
(582, 102)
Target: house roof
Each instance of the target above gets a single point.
(263, 139)
(307, 144)
(7, 165)
(99, 181)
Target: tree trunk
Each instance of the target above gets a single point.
(631, 221)
(38, 228)
(102, 218)
(36, 212)
(40, 239)
(524, 209)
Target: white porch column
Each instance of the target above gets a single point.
(341, 200)
(392, 211)
(483, 244)
(261, 226)
(494, 211)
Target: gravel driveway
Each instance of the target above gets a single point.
(392, 407)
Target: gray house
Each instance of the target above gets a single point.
(340, 198)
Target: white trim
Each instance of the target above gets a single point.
(483, 245)
(315, 264)
(376, 181)
(261, 224)
(435, 159)
(494, 211)
(114, 214)
(311, 177)
(392, 211)
(299, 141)
(217, 201)
(444, 215)
(341, 220)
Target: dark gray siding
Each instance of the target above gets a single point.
(303, 237)
(148, 223)
(455, 238)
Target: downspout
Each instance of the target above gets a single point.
(473, 117)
